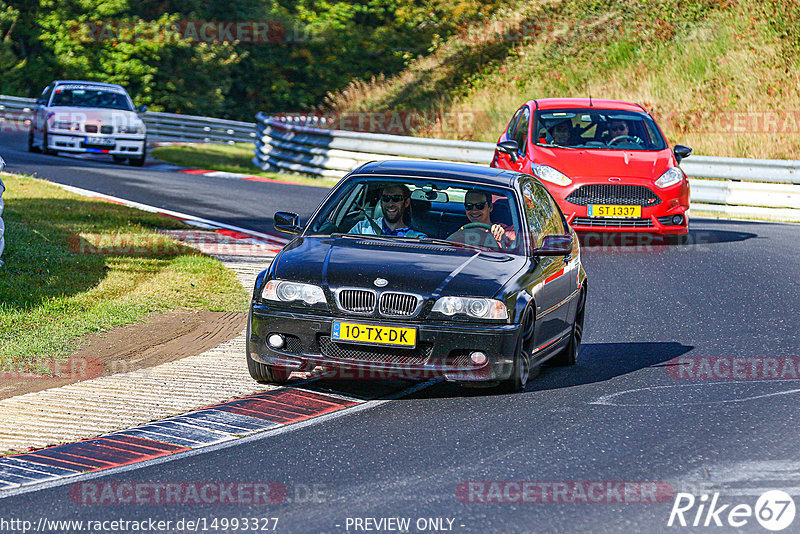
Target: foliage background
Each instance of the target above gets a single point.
(327, 44)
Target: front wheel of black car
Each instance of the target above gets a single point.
(270, 374)
(569, 355)
(262, 372)
(521, 371)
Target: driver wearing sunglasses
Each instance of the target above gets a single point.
(478, 205)
(618, 128)
(395, 200)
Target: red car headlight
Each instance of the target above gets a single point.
(671, 177)
(549, 174)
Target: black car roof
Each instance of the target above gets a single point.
(438, 169)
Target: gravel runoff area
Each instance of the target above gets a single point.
(109, 403)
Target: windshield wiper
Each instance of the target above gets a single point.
(553, 145)
(364, 236)
(437, 241)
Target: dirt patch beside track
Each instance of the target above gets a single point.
(161, 338)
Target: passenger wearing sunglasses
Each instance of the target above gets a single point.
(395, 201)
(478, 206)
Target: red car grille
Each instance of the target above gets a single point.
(615, 194)
(612, 223)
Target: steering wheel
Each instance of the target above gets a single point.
(620, 138)
(479, 234)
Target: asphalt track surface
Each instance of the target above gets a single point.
(622, 414)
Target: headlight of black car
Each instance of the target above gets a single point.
(476, 308)
(284, 291)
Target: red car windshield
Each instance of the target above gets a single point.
(597, 129)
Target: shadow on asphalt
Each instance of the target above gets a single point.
(597, 362)
(632, 242)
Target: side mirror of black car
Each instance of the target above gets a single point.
(554, 245)
(286, 221)
(681, 151)
(509, 147)
(141, 109)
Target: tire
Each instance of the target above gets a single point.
(139, 161)
(521, 371)
(117, 159)
(267, 374)
(31, 146)
(45, 149)
(261, 372)
(569, 355)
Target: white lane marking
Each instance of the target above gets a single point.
(609, 400)
(745, 478)
(256, 435)
(190, 219)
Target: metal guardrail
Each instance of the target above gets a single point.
(730, 186)
(161, 127)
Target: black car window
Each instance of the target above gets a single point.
(521, 132)
(538, 210)
(462, 213)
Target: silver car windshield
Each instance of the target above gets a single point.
(90, 98)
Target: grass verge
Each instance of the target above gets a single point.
(75, 266)
(229, 158)
(719, 75)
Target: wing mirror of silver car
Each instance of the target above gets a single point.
(286, 221)
(509, 147)
(554, 245)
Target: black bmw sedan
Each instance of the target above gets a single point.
(422, 269)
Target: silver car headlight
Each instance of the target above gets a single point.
(66, 125)
(283, 291)
(477, 308)
(671, 177)
(549, 174)
(133, 129)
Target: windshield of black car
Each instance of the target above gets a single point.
(91, 98)
(601, 129)
(422, 210)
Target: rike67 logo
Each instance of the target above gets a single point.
(774, 510)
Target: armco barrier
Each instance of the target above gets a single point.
(161, 127)
(728, 186)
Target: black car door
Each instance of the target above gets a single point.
(555, 280)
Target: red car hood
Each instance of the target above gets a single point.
(579, 163)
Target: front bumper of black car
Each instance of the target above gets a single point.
(443, 350)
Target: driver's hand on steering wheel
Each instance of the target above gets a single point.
(499, 234)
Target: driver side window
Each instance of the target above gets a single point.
(521, 131)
